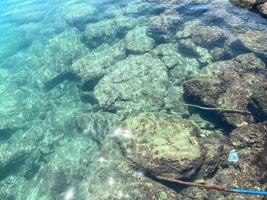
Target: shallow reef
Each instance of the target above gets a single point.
(108, 99)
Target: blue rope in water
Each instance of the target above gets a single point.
(251, 192)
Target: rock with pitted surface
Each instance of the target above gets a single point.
(107, 31)
(230, 87)
(250, 143)
(162, 145)
(95, 33)
(181, 1)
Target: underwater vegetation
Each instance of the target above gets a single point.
(113, 99)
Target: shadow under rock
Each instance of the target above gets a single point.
(5, 134)
(210, 116)
(49, 85)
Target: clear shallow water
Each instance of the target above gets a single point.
(73, 71)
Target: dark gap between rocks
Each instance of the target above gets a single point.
(258, 113)
(5, 134)
(88, 97)
(90, 84)
(12, 167)
(237, 48)
(49, 85)
(210, 116)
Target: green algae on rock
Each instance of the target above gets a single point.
(162, 145)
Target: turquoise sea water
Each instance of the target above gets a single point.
(72, 71)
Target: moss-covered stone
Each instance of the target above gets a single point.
(162, 145)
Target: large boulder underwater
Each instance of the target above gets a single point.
(259, 5)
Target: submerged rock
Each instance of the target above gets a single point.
(172, 58)
(208, 36)
(18, 105)
(107, 31)
(98, 62)
(133, 85)
(181, 1)
(180, 67)
(162, 145)
(260, 5)
(244, 3)
(138, 41)
(78, 13)
(258, 101)
(255, 41)
(208, 43)
(263, 9)
(236, 77)
(95, 33)
(190, 48)
(201, 34)
(167, 20)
